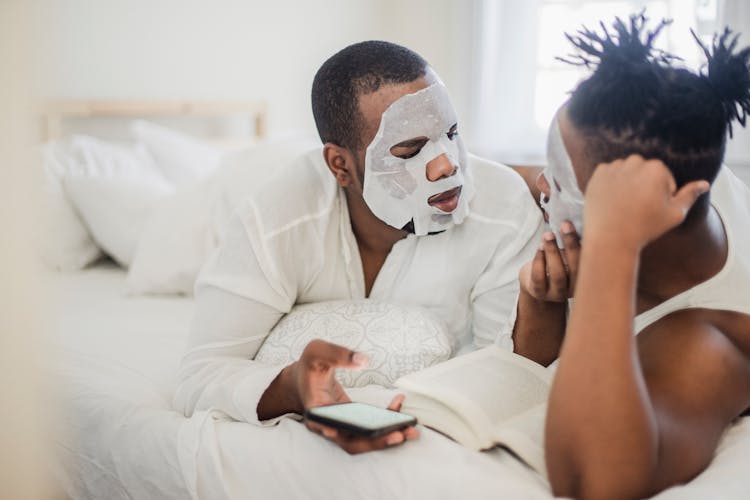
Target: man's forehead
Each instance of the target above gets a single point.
(373, 105)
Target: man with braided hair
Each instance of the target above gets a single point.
(655, 362)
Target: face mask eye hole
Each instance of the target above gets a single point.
(410, 154)
(408, 149)
(557, 186)
(453, 132)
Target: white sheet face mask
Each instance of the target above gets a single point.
(565, 200)
(397, 189)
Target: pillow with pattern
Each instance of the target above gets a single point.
(398, 339)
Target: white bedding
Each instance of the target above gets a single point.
(118, 356)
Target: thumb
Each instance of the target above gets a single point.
(334, 355)
(686, 196)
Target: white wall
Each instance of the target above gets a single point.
(440, 31)
(224, 49)
(228, 49)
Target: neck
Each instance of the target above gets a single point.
(372, 234)
(681, 259)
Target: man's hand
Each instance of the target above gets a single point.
(639, 198)
(311, 382)
(354, 444)
(551, 275)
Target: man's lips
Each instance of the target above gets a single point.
(447, 201)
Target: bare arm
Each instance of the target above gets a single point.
(630, 417)
(546, 284)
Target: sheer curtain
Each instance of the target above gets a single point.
(736, 15)
(520, 84)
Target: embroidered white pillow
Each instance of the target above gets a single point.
(398, 339)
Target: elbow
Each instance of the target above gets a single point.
(595, 483)
(544, 357)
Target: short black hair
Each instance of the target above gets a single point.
(358, 69)
(639, 101)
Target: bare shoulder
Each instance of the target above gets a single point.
(697, 375)
(700, 359)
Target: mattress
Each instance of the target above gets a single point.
(116, 359)
(119, 439)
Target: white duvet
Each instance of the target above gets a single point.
(117, 359)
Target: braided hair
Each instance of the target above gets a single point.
(638, 101)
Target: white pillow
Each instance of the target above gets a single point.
(114, 192)
(174, 243)
(398, 339)
(182, 159)
(185, 228)
(65, 243)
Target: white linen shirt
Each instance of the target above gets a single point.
(291, 242)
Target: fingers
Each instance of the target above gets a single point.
(557, 275)
(323, 430)
(546, 276)
(538, 276)
(396, 402)
(325, 355)
(572, 244)
(354, 444)
(686, 196)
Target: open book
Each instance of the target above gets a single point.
(483, 399)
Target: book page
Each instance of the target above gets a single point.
(433, 414)
(524, 435)
(485, 387)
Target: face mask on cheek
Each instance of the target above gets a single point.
(395, 189)
(565, 200)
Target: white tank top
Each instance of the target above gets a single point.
(729, 290)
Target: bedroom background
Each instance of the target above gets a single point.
(495, 56)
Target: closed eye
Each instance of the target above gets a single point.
(408, 149)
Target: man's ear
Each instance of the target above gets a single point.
(340, 162)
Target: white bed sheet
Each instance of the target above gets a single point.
(118, 356)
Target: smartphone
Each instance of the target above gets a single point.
(360, 418)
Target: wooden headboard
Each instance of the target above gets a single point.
(56, 111)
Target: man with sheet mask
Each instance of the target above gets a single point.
(418, 134)
(392, 208)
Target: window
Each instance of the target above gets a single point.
(522, 83)
(555, 78)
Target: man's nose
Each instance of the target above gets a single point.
(543, 185)
(440, 167)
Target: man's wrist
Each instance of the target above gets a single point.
(289, 383)
(281, 396)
